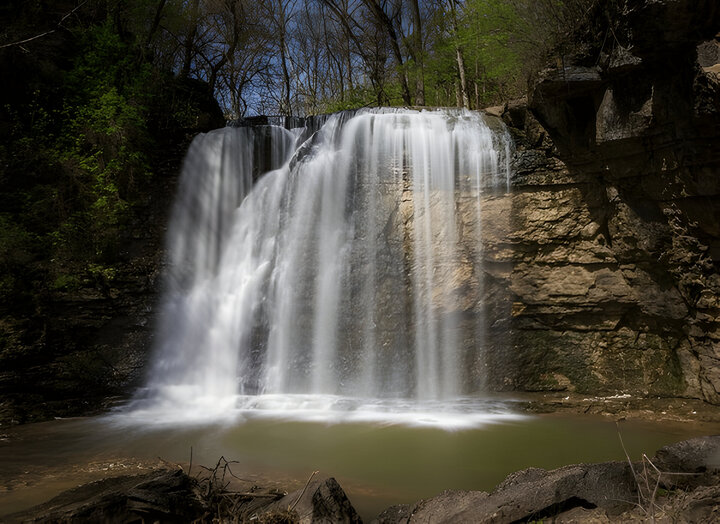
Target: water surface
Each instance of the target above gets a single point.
(378, 464)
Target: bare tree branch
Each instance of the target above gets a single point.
(59, 25)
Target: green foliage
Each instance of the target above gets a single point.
(77, 152)
(66, 282)
(358, 97)
(16, 251)
(101, 148)
(502, 44)
(488, 33)
(485, 34)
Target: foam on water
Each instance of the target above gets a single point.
(458, 414)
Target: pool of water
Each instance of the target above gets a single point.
(378, 462)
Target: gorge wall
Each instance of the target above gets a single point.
(601, 264)
(608, 259)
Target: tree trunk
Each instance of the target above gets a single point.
(189, 43)
(384, 20)
(461, 76)
(419, 52)
(155, 23)
(285, 103)
(463, 99)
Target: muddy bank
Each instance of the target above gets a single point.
(620, 407)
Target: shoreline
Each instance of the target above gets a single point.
(621, 407)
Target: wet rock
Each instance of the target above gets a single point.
(322, 501)
(598, 493)
(700, 457)
(397, 514)
(535, 494)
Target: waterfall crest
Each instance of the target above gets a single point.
(343, 272)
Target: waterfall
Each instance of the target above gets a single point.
(330, 268)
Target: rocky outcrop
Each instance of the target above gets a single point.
(164, 496)
(688, 490)
(611, 251)
(171, 495)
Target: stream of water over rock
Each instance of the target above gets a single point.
(329, 271)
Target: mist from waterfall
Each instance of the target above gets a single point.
(331, 273)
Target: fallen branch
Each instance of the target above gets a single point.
(252, 495)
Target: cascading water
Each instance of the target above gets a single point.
(340, 283)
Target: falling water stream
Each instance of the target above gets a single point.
(332, 286)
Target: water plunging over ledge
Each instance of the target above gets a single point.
(330, 275)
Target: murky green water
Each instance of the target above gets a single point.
(378, 465)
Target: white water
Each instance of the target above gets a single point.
(329, 289)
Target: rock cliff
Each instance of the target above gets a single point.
(608, 261)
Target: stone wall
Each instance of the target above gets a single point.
(610, 259)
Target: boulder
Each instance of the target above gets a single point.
(322, 501)
(534, 494)
(597, 493)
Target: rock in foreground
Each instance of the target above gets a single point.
(161, 495)
(688, 490)
(173, 496)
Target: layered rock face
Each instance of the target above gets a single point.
(609, 245)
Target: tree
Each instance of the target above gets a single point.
(387, 14)
(417, 53)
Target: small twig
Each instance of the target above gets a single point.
(251, 495)
(292, 506)
(20, 42)
(646, 478)
(632, 468)
(59, 25)
(71, 12)
(657, 485)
